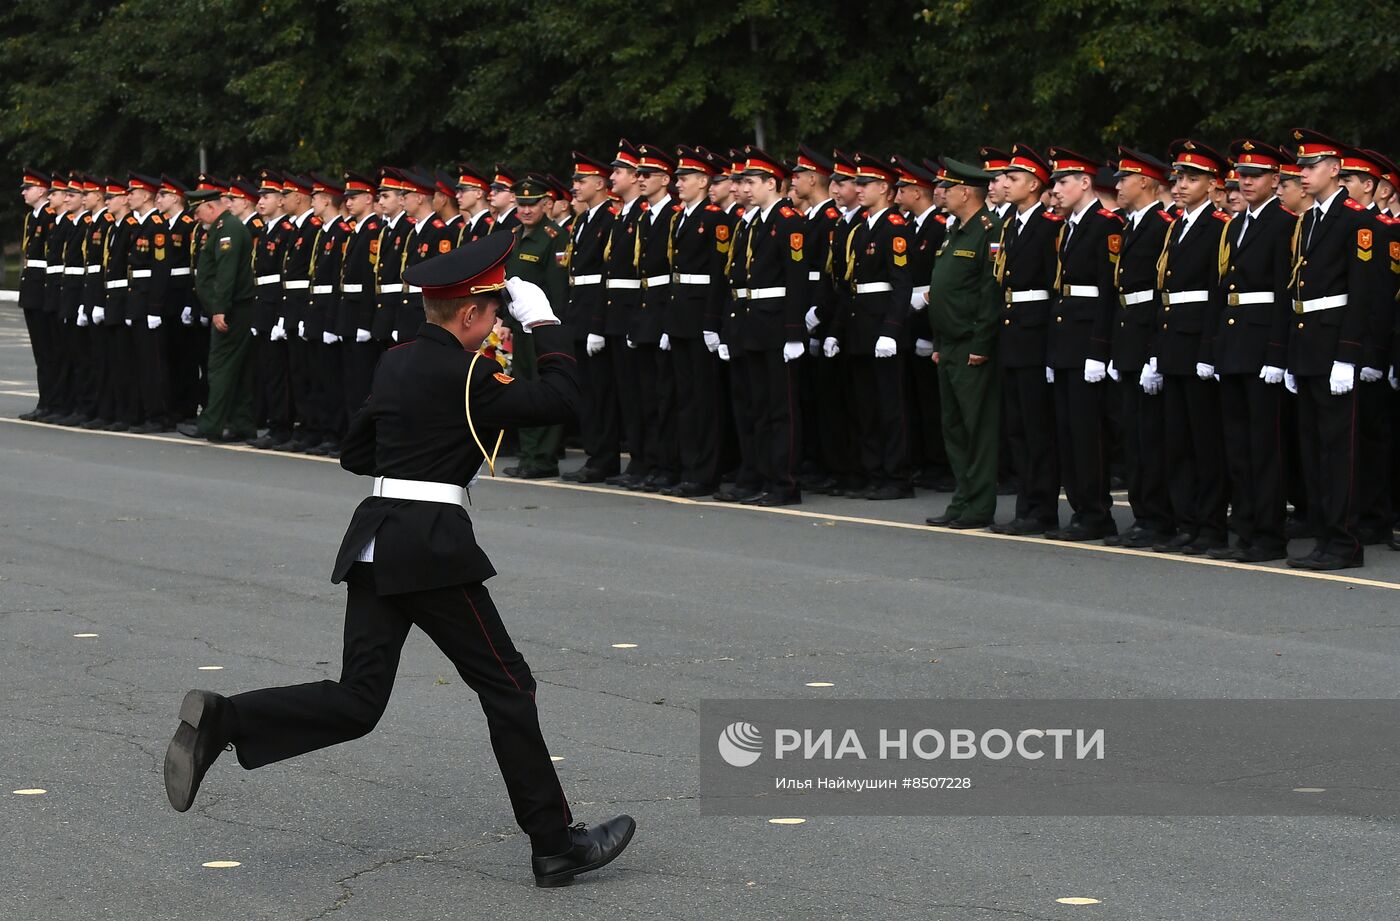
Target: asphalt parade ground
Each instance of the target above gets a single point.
(135, 567)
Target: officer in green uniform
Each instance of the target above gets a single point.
(963, 303)
(224, 283)
(535, 259)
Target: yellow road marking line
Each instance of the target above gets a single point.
(822, 517)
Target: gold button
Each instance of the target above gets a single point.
(1300, 325)
(1166, 310)
(1305, 262)
(1008, 306)
(1230, 322)
(1232, 287)
(1169, 272)
(1301, 283)
(1007, 322)
(1059, 319)
(1164, 326)
(1121, 323)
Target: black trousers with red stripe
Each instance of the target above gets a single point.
(774, 404)
(279, 723)
(1327, 426)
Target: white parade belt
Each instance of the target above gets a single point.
(391, 289)
(300, 284)
(1028, 295)
(763, 294)
(322, 289)
(1080, 291)
(579, 281)
(418, 490)
(1320, 303)
(626, 284)
(181, 270)
(656, 281)
(351, 289)
(684, 279)
(1134, 298)
(874, 287)
(267, 280)
(140, 273)
(1172, 298)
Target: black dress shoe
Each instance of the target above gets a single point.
(775, 499)
(642, 484)
(1233, 554)
(1204, 544)
(891, 491)
(663, 481)
(824, 485)
(1143, 539)
(31, 415)
(72, 420)
(514, 471)
(265, 443)
(1174, 544)
(942, 521)
(587, 475)
(147, 428)
(118, 426)
(1023, 526)
(969, 524)
(538, 473)
(201, 736)
(1076, 532)
(189, 431)
(93, 425)
(689, 490)
(1325, 562)
(1261, 555)
(732, 493)
(592, 848)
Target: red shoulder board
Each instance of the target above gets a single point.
(131, 220)
(739, 211)
(411, 219)
(550, 230)
(1106, 213)
(1355, 205)
(832, 213)
(160, 219)
(785, 211)
(943, 218)
(676, 208)
(1287, 211)
(1165, 215)
(437, 223)
(107, 216)
(1050, 215)
(1221, 216)
(286, 225)
(894, 218)
(186, 219)
(490, 219)
(612, 209)
(712, 207)
(646, 205)
(87, 218)
(315, 221)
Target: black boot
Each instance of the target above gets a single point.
(206, 726)
(593, 847)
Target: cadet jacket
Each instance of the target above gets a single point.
(114, 274)
(33, 268)
(821, 228)
(834, 309)
(1189, 278)
(393, 238)
(412, 427)
(699, 290)
(327, 253)
(298, 246)
(180, 294)
(74, 267)
(225, 277)
(473, 229)
(1138, 296)
(964, 298)
(148, 267)
(927, 238)
(1252, 328)
(776, 266)
(654, 232)
(735, 236)
(881, 284)
(429, 238)
(1087, 300)
(510, 221)
(1026, 262)
(94, 249)
(1332, 278)
(357, 277)
(622, 294)
(267, 273)
(588, 238)
(1380, 319)
(56, 240)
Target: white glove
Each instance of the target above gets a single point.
(128, 321)
(152, 322)
(630, 343)
(1204, 371)
(811, 319)
(528, 303)
(1343, 378)
(594, 344)
(1394, 381)
(722, 351)
(830, 347)
(361, 335)
(394, 335)
(923, 348)
(1368, 375)
(203, 320)
(918, 300)
(328, 338)
(1150, 381)
(1290, 382)
(99, 314)
(1113, 373)
(82, 316)
(711, 340)
(1049, 375)
(1271, 375)
(665, 343)
(301, 330)
(1094, 371)
(885, 347)
(792, 351)
(814, 347)
(187, 316)
(277, 333)
(253, 331)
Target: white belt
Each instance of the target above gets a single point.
(36, 263)
(182, 270)
(1244, 298)
(140, 273)
(579, 280)
(1136, 297)
(814, 276)
(1320, 303)
(874, 287)
(75, 270)
(391, 289)
(1184, 297)
(298, 285)
(94, 269)
(53, 269)
(741, 294)
(322, 289)
(419, 490)
(627, 284)
(683, 279)
(923, 289)
(656, 281)
(116, 283)
(763, 294)
(413, 289)
(1080, 291)
(1026, 296)
(351, 289)
(268, 279)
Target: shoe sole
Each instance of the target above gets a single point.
(555, 880)
(179, 756)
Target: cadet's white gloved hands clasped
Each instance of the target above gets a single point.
(82, 316)
(1371, 375)
(722, 351)
(1094, 371)
(301, 330)
(528, 303)
(1271, 375)
(1113, 373)
(1049, 375)
(329, 338)
(811, 319)
(923, 348)
(278, 332)
(1342, 378)
(99, 314)
(885, 347)
(187, 316)
(1290, 382)
(1149, 380)
(1394, 381)
(665, 343)
(1204, 371)
(711, 340)
(830, 347)
(152, 322)
(595, 344)
(393, 334)
(792, 351)
(361, 335)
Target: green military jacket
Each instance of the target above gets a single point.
(538, 258)
(964, 298)
(224, 281)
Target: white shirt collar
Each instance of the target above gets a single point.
(690, 208)
(1322, 206)
(476, 217)
(594, 210)
(1023, 216)
(871, 219)
(394, 221)
(919, 221)
(505, 214)
(301, 218)
(1136, 217)
(1255, 212)
(1189, 218)
(627, 205)
(656, 209)
(39, 209)
(99, 212)
(141, 218)
(419, 225)
(78, 215)
(1093, 203)
(768, 210)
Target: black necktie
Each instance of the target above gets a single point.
(1317, 219)
(1244, 229)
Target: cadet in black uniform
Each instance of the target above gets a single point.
(60, 229)
(410, 558)
(298, 247)
(357, 298)
(430, 237)
(748, 483)
(94, 299)
(182, 358)
(394, 234)
(1250, 351)
(324, 344)
(38, 226)
(148, 264)
(622, 298)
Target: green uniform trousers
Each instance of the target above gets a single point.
(230, 376)
(970, 400)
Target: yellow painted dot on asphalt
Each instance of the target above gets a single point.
(556, 758)
(624, 645)
(221, 864)
(820, 684)
(792, 821)
(1077, 900)
(211, 668)
(84, 636)
(30, 791)
(1309, 789)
